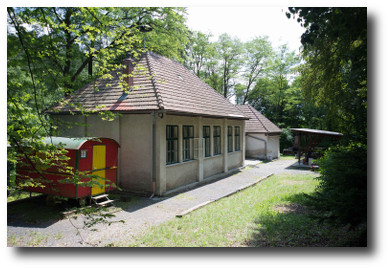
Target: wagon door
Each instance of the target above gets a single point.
(98, 167)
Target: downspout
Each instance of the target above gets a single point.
(265, 143)
(153, 154)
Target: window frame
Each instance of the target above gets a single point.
(230, 139)
(237, 138)
(217, 140)
(188, 143)
(207, 141)
(172, 155)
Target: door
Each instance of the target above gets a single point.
(99, 164)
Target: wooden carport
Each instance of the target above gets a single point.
(311, 138)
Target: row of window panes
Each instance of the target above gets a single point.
(188, 141)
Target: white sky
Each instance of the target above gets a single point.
(247, 22)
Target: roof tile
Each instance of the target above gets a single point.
(160, 83)
(257, 123)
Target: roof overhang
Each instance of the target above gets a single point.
(316, 132)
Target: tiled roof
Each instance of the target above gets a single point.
(257, 123)
(160, 83)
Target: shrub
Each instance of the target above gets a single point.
(286, 139)
(341, 196)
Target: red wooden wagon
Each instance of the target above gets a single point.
(98, 156)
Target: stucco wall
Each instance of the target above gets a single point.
(181, 174)
(136, 152)
(96, 127)
(256, 148)
(70, 125)
(184, 173)
(134, 134)
(234, 160)
(213, 166)
(273, 146)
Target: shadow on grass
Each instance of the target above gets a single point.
(290, 225)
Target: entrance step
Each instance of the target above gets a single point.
(102, 200)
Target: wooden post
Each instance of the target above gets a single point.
(299, 148)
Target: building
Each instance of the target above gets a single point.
(261, 135)
(174, 130)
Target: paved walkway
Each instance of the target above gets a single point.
(148, 212)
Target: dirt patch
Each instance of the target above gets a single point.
(291, 208)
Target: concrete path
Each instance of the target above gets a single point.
(148, 212)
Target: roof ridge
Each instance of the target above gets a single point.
(261, 122)
(160, 102)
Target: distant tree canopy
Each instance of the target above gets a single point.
(334, 76)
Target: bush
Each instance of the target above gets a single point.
(286, 139)
(341, 196)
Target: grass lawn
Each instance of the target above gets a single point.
(270, 214)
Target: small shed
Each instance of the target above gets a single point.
(261, 135)
(97, 156)
(306, 141)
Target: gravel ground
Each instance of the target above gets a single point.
(143, 214)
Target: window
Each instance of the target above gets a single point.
(172, 143)
(83, 153)
(217, 140)
(237, 138)
(206, 137)
(188, 143)
(230, 139)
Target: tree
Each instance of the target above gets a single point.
(276, 95)
(229, 54)
(199, 50)
(281, 72)
(257, 53)
(335, 70)
(334, 82)
(54, 51)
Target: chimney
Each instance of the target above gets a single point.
(128, 67)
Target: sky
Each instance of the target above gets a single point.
(247, 22)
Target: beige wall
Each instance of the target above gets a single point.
(96, 127)
(70, 125)
(134, 134)
(188, 172)
(136, 152)
(181, 174)
(213, 165)
(256, 148)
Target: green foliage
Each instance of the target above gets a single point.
(256, 62)
(278, 95)
(53, 51)
(334, 77)
(286, 139)
(341, 196)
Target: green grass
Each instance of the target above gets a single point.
(19, 195)
(270, 214)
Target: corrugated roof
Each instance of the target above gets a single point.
(316, 131)
(257, 123)
(70, 143)
(160, 83)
